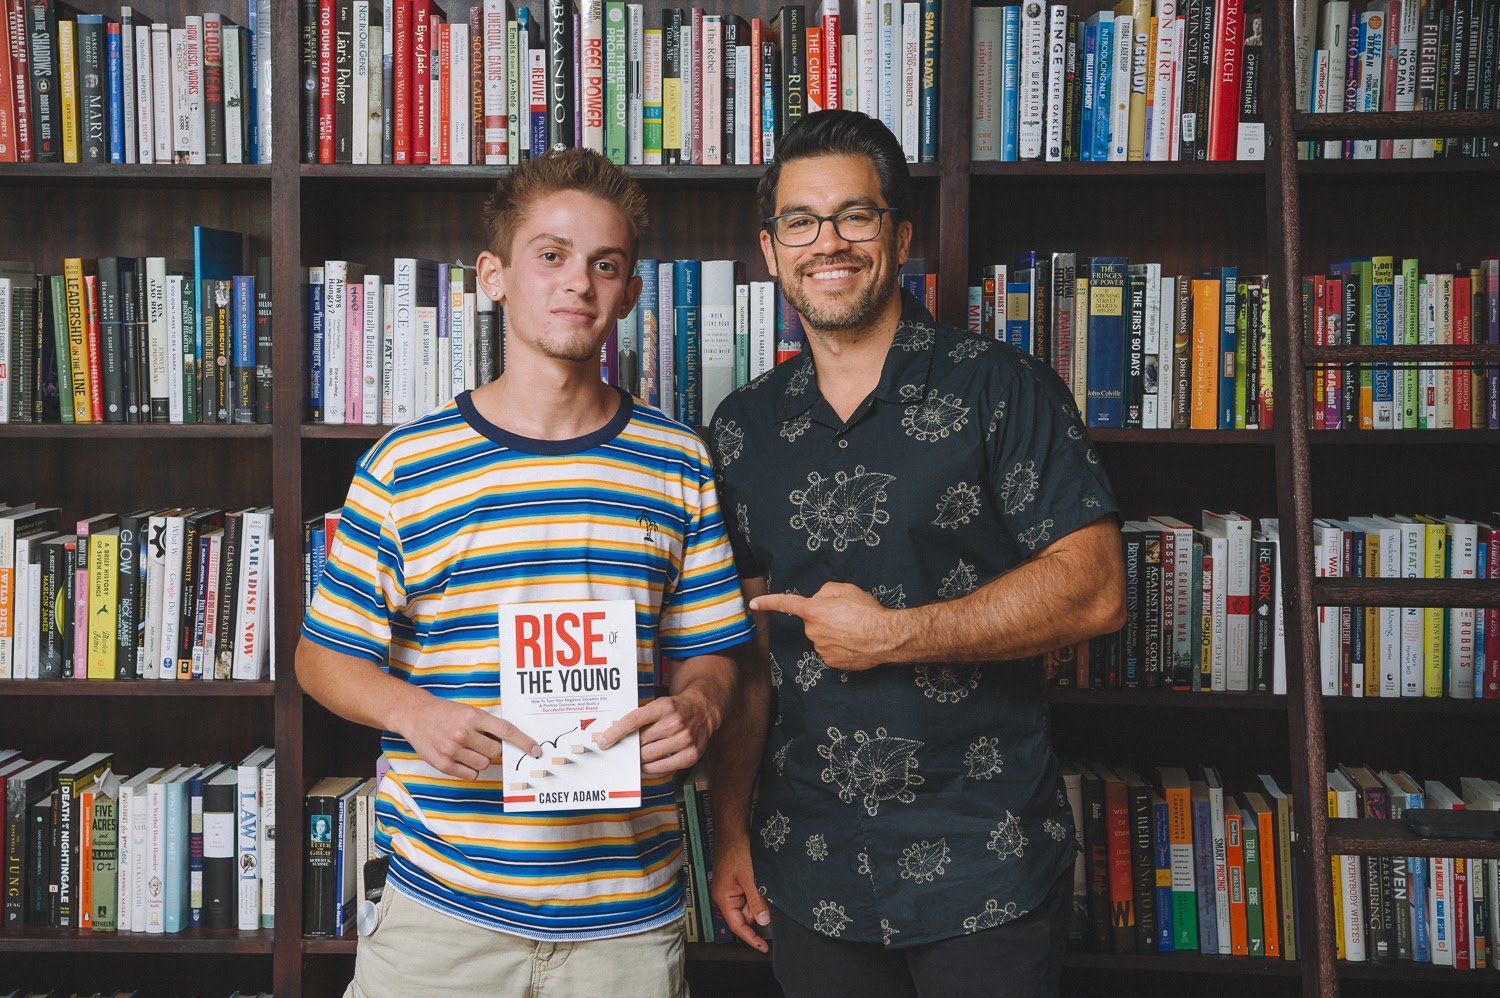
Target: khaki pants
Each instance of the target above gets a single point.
(416, 952)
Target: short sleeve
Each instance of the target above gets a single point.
(747, 565)
(1046, 478)
(704, 612)
(362, 586)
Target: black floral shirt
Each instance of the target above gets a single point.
(907, 803)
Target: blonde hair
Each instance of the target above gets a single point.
(552, 173)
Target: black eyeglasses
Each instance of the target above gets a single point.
(853, 225)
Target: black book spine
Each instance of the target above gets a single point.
(1072, 91)
(671, 69)
(44, 408)
(343, 80)
(130, 359)
(727, 115)
(263, 339)
(41, 855)
(792, 21)
(142, 339)
(308, 25)
(1458, 39)
(487, 346)
(1489, 80)
(1205, 78)
(1263, 623)
(1378, 917)
(24, 359)
(213, 89)
(219, 887)
(1142, 866)
(65, 615)
(1134, 608)
(111, 354)
(1192, 42)
(1096, 851)
(92, 74)
(1135, 357)
(1151, 630)
(318, 885)
(46, 102)
(560, 70)
(229, 573)
(49, 660)
(201, 609)
(129, 622)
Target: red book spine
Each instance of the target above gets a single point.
(815, 78)
(444, 39)
(1224, 110)
(421, 81)
(96, 382)
(757, 32)
(7, 97)
(1320, 339)
(20, 79)
(1333, 401)
(1463, 335)
(1462, 931)
(1388, 74)
(1121, 886)
(325, 81)
(833, 78)
(401, 82)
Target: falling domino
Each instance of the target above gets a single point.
(578, 749)
(520, 786)
(561, 760)
(539, 774)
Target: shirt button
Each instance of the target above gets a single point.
(843, 443)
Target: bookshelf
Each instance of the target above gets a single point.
(1279, 216)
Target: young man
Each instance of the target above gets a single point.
(544, 485)
(924, 510)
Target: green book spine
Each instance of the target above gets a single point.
(1364, 275)
(616, 119)
(1241, 360)
(699, 871)
(1410, 293)
(59, 288)
(106, 863)
(1255, 914)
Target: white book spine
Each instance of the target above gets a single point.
(470, 317)
(712, 117)
(171, 598)
(156, 856)
(250, 639)
(666, 324)
(1151, 352)
(182, 109)
(371, 355)
(1031, 99)
(1221, 866)
(234, 99)
(1407, 33)
(1463, 557)
(888, 66)
(127, 85)
(867, 38)
(910, 95)
(429, 370)
(1335, 42)
(1162, 107)
(5, 376)
(145, 89)
(1057, 57)
(688, 56)
(1120, 81)
(762, 327)
(335, 347)
(124, 856)
(263, 78)
(717, 344)
(266, 845)
(515, 64)
(387, 352)
(742, 123)
(635, 48)
(459, 114)
(163, 122)
(140, 846)
(196, 111)
(247, 846)
(1330, 566)
(1166, 343)
(403, 335)
(496, 111)
(156, 563)
(359, 98)
(1390, 616)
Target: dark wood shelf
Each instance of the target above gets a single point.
(136, 688)
(328, 946)
(79, 175)
(1410, 705)
(1377, 837)
(1414, 972)
(1395, 124)
(219, 942)
(1384, 438)
(1182, 963)
(1406, 592)
(1168, 699)
(1119, 171)
(421, 178)
(343, 431)
(1261, 438)
(137, 431)
(1445, 354)
(1322, 170)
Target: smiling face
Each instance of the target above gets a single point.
(569, 277)
(837, 286)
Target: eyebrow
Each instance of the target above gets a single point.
(564, 241)
(864, 201)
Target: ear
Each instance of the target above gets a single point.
(490, 274)
(632, 295)
(768, 250)
(903, 242)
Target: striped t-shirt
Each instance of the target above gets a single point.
(449, 516)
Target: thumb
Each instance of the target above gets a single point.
(781, 603)
(838, 589)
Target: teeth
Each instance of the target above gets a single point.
(832, 275)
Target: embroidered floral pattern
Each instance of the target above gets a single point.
(729, 441)
(1019, 488)
(842, 510)
(810, 668)
(935, 418)
(983, 759)
(957, 506)
(992, 916)
(774, 832)
(817, 848)
(871, 769)
(794, 428)
(923, 862)
(1036, 535)
(829, 918)
(962, 581)
(967, 348)
(1008, 840)
(946, 683)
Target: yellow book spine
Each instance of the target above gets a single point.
(78, 351)
(671, 113)
(67, 64)
(104, 556)
(1434, 617)
(1081, 343)
(1371, 622)
(1338, 893)
(1204, 395)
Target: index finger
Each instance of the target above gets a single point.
(631, 722)
(781, 603)
(502, 730)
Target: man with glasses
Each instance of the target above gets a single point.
(918, 516)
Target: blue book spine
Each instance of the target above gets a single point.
(315, 350)
(650, 331)
(687, 277)
(928, 110)
(1018, 330)
(1105, 404)
(319, 555)
(1228, 342)
(1090, 77)
(175, 880)
(913, 283)
(1203, 872)
(1418, 870)
(1010, 83)
(1161, 847)
(249, 100)
(195, 850)
(242, 350)
(1104, 63)
(116, 69)
(1382, 310)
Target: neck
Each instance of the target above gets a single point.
(849, 361)
(544, 398)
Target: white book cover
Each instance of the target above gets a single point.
(867, 41)
(909, 96)
(171, 595)
(196, 111)
(163, 93)
(182, 109)
(132, 912)
(717, 343)
(155, 572)
(1032, 100)
(128, 82)
(1057, 56)
(145, 90)
(1237, 574)
(335, 346)
(762, 327)
(247, 837)
(459, 114)
(250, 623)
(375, 108)
(496, 76)
(635, 87)
(1413, 557)
(359, 138)
(1463, 561)
(1328, 552)
(1161, 109)
(404, 341)
(1166, 343)
(263, 77)
(234, 98)
(742, 123)
(567, 673)
(1407, 36)
(712, 112)
(1119, 92)
(265, 845)
(1335, 42)
(887, 64)
(371, 354)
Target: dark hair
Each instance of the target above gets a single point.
(841, 133)
(571, 170)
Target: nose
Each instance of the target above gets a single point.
(829, 241)
(578, 276)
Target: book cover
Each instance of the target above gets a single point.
(567, 672)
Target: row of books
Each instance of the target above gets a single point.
(1147, 81)
(1439, 910)
(1410, 651)
(91, 88)
(339, 815)
(1397, 55)
(176, 594)
(136, 340)
(1138, 348)
(395, 82)
(165, 849)
(1380, 301)
(695, 822)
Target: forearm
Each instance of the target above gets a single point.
(707, 678)
(1068, 593)
(735, 752)
(354, 688)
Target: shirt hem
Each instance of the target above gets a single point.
(586, 935)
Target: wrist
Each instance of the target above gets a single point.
(713, 711)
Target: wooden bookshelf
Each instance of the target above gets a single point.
(1280, 216)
